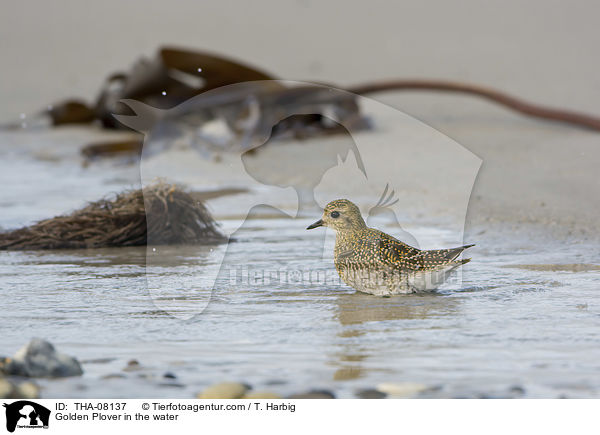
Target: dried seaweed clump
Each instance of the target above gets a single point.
(163, 214)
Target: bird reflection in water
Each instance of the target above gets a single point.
(360, 314)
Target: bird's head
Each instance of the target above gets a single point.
(340, 215)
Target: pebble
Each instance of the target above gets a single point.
(39, 358)
(224, 390)
(370, 393)
(113, 376)
(27, 390)
(3, 362)
(401, 390)
(261, 395)
(98, 361)
(313, 394)
(132, 365)
(6, 389)
(276, 382)
(23, 390)
(517, 390)
(171, 385)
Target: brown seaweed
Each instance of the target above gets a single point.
(162, 83)
(172, 77)
(518, 105)
(71, 112)
(131, 147)
(175, 75)
(166, 212)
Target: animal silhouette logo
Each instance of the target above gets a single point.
(213, 139)
(384, 210)
(26, 414)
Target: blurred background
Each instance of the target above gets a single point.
(543, 51)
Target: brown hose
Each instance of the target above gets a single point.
(516, 104)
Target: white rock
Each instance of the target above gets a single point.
(401, 390)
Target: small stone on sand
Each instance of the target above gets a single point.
(370, 393)
(224, 390)
(314, 394)
(401, 390)
(261, 395)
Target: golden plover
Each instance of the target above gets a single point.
(374, 262)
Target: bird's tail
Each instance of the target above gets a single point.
(465, 260)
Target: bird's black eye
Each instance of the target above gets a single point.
(335, 214)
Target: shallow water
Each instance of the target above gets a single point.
(526, 318)
(503, 327)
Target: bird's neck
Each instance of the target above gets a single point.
(350, 234)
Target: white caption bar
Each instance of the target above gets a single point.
(413, 417)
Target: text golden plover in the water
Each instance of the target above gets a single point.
(374, 262)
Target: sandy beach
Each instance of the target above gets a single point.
(532, 172)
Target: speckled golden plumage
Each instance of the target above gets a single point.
(372, 261)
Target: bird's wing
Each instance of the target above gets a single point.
(398, 254)
(395, 253)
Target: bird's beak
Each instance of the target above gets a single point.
(318, 223)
